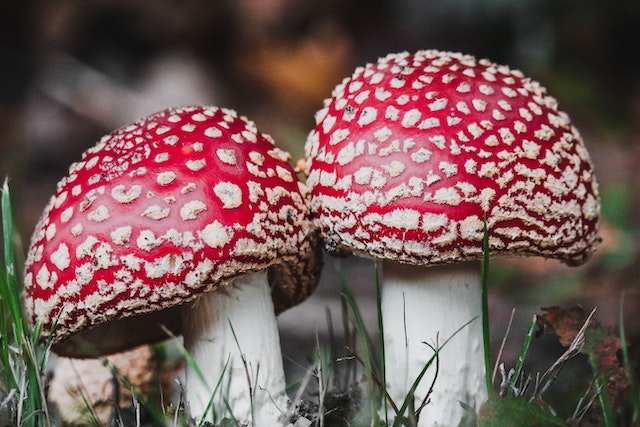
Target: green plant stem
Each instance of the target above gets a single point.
(364, 346)
(381, 343)
(11, 291)
(486, 332)
(523, 355)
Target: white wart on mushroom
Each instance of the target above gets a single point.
(429, 131)
(143, 217)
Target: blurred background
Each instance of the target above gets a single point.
(72, 71)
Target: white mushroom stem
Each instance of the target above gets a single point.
(253, 382)
(429, 304)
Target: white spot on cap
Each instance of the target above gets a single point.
(162, 129)
(99, 214)
(497, 115)
(76, 230)
(229, 194)
(170, 263)
(507, 91)
(60, 258)
(355, 86)
(121, 235)
(479, 104)
(50, 232)
(200, 274)
(255, 191)
(394, 168)
(189, 127)
(397, 82)
(347, 154)
(429, 123)
(470, 166)
(171, 140)
(156, 212)
(91, 162)
(188, 188)
(381, 94)
(60, 199)
(433, 222)
(213, 132)
(257, 158)
(438, 104)
(472, 228)
(216, 235)
(166, 178)
(505, 105)
(161, 157)
(279, 154)
(147, 240)
(198, 117)
(432, 178)
(338, 136)
(463, 87)
(507, 137)
(66, 215)
(545, 133)
(362, 96)
(86, 248)
(191, 209)
(120, 194)
(328, 123)
(448, 168)
(284, 174)
(367, 116)
(363, 175)
(383, 134)
(421, 155)
(196, 165)
(43, 278)
(392, 113)
(411, 117)
(376, 78)
(486, 89)
(227, 156)
(403, 219)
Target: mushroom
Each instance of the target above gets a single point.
(188, 220)
(407, 159)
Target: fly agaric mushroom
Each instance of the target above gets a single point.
(184, 211)
(407, 159)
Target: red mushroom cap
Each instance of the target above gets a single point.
(412, 152)
(158, 212)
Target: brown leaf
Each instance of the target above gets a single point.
(563, 322)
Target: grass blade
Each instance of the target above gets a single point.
(381, 342)
(523, 355)
(364, 346)
(11, 291)
(486, 334)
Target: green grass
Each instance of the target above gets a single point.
(23, 358)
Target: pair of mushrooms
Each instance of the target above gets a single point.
(193, 220)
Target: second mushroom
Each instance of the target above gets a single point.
(408, 158)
